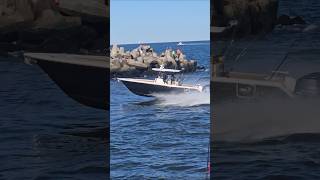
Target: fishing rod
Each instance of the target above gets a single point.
(233, 23)
(282, 62)
(242, 53)
(279, 66)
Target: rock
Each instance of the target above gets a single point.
(141, 60)
(121, 51)
(114, 51)
(137, 64)
(170, 64)
(91, 8)
(287, 20)
(40, 25)
(154, 64)
(50, 19)
(15, 12)
(297, 20)
(125, 68)
(252, 16)
(201, 68)
(115, 66)
(39, 6)
(284, 20)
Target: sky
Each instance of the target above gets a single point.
(147, 21)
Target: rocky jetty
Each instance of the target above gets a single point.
(69, 26)
(240, 18)
(142, 59)
(286, 20)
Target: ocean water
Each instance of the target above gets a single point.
(43, 133)
(273, 139)
(166, 138)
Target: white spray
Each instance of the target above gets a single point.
(184, 99)
(266, 119)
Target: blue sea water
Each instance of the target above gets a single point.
(273, 139)
(43, 133)
(161, 139)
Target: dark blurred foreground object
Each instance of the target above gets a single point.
(252, 17)
(54, 26)
(60, 29)
(239, 86)
(82, 77)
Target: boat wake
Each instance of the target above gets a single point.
(251, 122)
(183, 99)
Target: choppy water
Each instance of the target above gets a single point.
(168, 138)
(43, 133)
(273, 139)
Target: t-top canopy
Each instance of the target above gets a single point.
(166, 70)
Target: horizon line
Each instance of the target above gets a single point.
(156, 42)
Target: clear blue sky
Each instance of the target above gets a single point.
(134, 21)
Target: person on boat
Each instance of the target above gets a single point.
(218, 66)
(165, 78)
(172, 79)
(179, 53)
(174, 56)
(149, 49)
(168, 53)
(177, 59)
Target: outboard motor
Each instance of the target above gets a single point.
(308, 85)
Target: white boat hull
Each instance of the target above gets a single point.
(145, 87)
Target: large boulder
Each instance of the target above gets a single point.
(115, 65)
(251, 16)
(14, 12)
(50, 19)
(287, 20)
(114, 50)
(41, 26)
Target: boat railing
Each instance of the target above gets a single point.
(279, 75)
(251, 76)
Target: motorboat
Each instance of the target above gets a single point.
(180, 44)
(167, 81)
(228, 84)
(239, 85)
(234, 86)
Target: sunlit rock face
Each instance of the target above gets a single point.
(247, 17)
(54, 26)
(12, 12)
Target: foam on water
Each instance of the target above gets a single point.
(184, 99)
(266, 119)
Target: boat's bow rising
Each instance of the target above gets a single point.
(84, 78)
